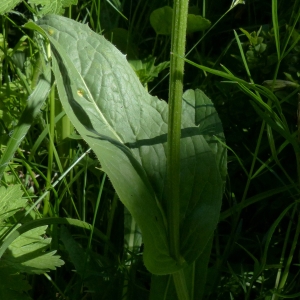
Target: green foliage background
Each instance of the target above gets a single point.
(251, 76)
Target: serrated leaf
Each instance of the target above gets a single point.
(53, 6)
(43, 263)
(11, 201)
(146, 70)
(27, 253)
(12, 284)
(8, 5)
(127, 129)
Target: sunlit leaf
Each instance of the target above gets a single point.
(127, 129)
(11, 201)
(8, 5)
(28, 253)
(53, 6)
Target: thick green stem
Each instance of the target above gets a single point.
(174, 122)
(179, 23)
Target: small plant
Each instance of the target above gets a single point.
(24, 253)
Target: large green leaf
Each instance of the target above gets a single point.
(203, 113)
(128, 178)
(203, 207)
(127, 129)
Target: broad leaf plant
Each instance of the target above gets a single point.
(166, 161)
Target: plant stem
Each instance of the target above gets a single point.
(174, 122)
(282, 276)
(51, 127)
(179, 23)
(180, 285)
(291, 254)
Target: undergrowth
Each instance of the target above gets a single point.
(52, 184)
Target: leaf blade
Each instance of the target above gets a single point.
(129, 138)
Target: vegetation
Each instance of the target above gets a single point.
(108, 192)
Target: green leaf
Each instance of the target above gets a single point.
(203, 113)
(127, 129)
(80, 95)
(27, 253)
(53, 6)
(11, 201)
(161, 21)
(86, 267)
(21, 229)
(163, 288)
(146, 70)
(196, 23)
(8, 5)
(12, 284)
(203, 207)
(26, 230)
